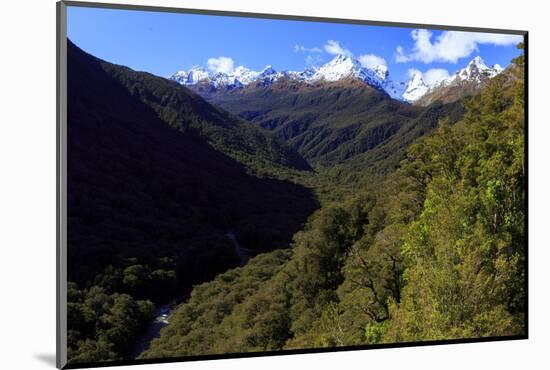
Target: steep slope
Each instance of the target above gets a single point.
(327, 122)
(386, 156)
(146, 177)
(185, 110)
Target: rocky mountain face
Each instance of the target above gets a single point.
(463, 82)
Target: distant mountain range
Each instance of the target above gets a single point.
(415, 90)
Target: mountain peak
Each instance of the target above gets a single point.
(341, 58)
(465, 80)
(268, 71)
(477, 61)
(416, 87)
(476, 70)
(342, 67)
(416, 78)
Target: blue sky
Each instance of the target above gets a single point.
(163, 43)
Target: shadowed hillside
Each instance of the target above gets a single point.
(124, 159)
(151, 198)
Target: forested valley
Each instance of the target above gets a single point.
(409, 227)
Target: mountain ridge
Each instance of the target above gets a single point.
(464, 81)
(326, 123)
(340, 67)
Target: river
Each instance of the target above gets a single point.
(161, 315)
(152, 330)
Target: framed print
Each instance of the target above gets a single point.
(236, 185)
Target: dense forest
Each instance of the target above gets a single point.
(153, 190)
(328, 122)
(433, 251)
(385, 223)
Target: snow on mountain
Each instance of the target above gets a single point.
(394, 89)
(268, 71)
(338, 68)
(180, 77)
(341, 67)
(381, 71)
(239, 77)
(304, 76)
(223, 79)
(269, 75)
(191, 77)
(416, 87)
(475, 72)
(197, 74)
(346, 67)
(244, 75)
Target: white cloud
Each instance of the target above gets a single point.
(400, 56)
(371, 60)
(313, 60)
(333, 47)
(450, 46)
(435, 75)
(220, 64)
(298, 48)
(431, 76)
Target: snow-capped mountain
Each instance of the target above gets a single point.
(244, 75)
(475, 71)
(474, 74)
(468, 78)
(394, 89)
(191, 77)
(239, 77)
(304, 76)
(339, 68)
(344, 67)
(416, 87)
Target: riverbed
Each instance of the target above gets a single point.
(152, 331)
(161, 315)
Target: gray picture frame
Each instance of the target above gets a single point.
(61, 159)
